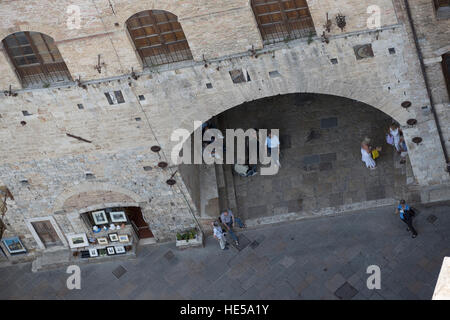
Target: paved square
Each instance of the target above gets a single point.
(318, 258)
(325, 171)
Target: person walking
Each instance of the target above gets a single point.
(273, 146)
(406, 215)
(366, 154)
(228, 219)
(395, 132)
(403, 149)
(219, 236)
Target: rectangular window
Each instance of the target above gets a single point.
(115, 97)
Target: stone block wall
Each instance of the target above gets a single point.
(174, 96)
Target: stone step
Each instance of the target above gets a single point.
(51, 260)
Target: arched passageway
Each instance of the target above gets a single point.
(321, 169)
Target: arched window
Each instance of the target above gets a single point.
(158, 37)
(280, 20)
(36, 58)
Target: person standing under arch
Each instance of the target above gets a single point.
(395, 132)
(366, 153)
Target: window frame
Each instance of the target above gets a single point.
(40, 72)
(139, 26)
(287, 28)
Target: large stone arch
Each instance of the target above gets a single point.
(103, 194)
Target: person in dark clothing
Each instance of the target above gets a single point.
(406, 214)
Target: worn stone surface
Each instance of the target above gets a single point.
(176, 95)
(323, 258)
(334, 158)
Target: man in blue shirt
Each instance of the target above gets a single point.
(406, 215)
(228, 219)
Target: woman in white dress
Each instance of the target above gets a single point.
(366, 153)
(395, 132)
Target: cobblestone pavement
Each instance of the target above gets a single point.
(320, 258)
(324, 172)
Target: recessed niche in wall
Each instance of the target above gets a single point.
(209, 85)
(148, 168)
(26, 113)
(391, 50)
(24, 182)
(80, 106)
(89, 175)
(137, 119)
(334, 61)
(23, 123)
(141, 97)
(274, 74)
(239, 76)
(115, 97)
(363, 51)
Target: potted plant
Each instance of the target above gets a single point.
(189, 238)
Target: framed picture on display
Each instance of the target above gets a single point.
(14, 245)
(102, 240)
(120, 249)
(77, 240)
(124, 238)
(93, 252)
(113, 237)
(110, 251)
(118, 216)
(99, 217)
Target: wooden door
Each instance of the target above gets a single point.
(47, 233)
(137, 221)
(446, 69)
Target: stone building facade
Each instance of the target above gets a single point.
(86, 143)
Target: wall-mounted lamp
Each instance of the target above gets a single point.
(340, 21)
(99, 65)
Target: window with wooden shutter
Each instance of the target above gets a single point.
(36, 59)
(280, 20)
(158, 37)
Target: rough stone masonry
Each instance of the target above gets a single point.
(45, 169)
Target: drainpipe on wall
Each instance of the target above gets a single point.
(425, 78)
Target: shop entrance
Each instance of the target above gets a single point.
(137, 221)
